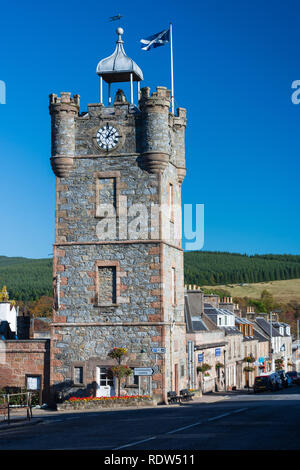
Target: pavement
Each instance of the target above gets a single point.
(231, 421)
(18, 417)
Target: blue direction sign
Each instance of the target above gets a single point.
(159, 350)
(143, 371)
(200, 357)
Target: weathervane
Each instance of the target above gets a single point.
(115, 18)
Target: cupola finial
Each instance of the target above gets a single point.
(118, 67)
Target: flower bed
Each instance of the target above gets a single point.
(105, 402)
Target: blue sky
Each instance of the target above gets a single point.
(234, 63)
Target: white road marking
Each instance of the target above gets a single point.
(240, 410)
(218, 417)
(135, 443)
(183, 428)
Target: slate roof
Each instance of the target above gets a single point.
(198, 324)
(242, 321)
(259, 336)
(266, 327)
(195, 319)
(231, 330)
(283, 325)
(211, 310)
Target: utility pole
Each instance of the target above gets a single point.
(271, 337)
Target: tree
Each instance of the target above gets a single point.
(42, 307)
(4, 297)
(267, 299)
(119, 371)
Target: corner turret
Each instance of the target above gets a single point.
(155, 118)
(63, 111)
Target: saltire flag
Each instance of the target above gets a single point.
(156, 40)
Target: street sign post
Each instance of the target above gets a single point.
(143, 371)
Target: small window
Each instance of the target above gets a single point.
(132, 379)
(173, 287)
(171, 202)
(107, 285)
(135, 379)
(182, 371)
(78, 375)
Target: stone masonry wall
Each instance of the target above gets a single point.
(138, 301)
(23, 357)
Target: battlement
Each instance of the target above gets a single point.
(64, 98)
(160, 97)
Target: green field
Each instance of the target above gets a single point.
(282, 291)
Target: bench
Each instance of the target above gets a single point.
(27, 407)
(173, 398)
(185, 395)
(5, 409)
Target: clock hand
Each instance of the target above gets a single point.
(111, 132)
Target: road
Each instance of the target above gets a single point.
(240, 422)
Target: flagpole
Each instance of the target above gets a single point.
(172, 75)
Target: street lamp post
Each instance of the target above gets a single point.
(225, 384)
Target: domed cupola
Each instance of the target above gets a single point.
(118, 67)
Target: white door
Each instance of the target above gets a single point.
(105, 385)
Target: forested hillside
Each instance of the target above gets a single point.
(212, 268)
(26, 279)
(29, 279)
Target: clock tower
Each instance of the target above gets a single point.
(118, 259)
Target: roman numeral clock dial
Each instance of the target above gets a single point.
(107, 137)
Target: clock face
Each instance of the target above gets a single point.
(107, 137)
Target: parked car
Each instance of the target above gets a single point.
(294, 376)
(267, 382)
(262, 383)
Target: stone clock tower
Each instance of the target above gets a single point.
(118, 261)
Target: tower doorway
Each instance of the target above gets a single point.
(105, 383)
